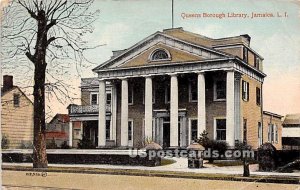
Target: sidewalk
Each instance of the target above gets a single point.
(179, 166)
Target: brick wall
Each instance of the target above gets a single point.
(252, 112)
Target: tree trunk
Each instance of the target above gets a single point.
(39, 149)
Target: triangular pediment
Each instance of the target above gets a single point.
(179, 50)
(176, 56)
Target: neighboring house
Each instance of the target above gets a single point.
(58, 129)
(16, 115)
(272, 130)
(169, 88)
(291, 132)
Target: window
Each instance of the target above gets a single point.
(194, 129)
(260, 137)
(107, 130)
(271, 133)
(159, 54)
(276, 133)
(220, 90)
(167, 94)
(220, 129)
(16, 100)
(258, 96)
(94, 99)
(130, 95)
(256, 62)
(193, 92)
(108, 99)
(245, 90)
(245, 54)
(130, 132)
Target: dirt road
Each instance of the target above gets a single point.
(52, 180)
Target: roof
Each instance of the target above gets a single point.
(56, 135)
(64, 118)
(178, 34)
(272, 114)
(203, 40)
(4, 92)
(91, 82)
(291, 119)
(13, 88)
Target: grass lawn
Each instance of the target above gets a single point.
(165, 161)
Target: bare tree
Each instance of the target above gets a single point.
(50, 34)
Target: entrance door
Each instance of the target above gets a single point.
(166, 134)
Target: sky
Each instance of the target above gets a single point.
(122, 23)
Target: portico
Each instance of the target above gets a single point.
(174, 115)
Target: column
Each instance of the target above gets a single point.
(174, 111)
(114, 112)
(148, 108)
(201, 104)
(184, 131)
(230, 108)
(102, 114)
(70, 133)
(124, 113)
(237, 108)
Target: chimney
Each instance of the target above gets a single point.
(247, 37)
(7, 82)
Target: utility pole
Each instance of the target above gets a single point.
(172, 13)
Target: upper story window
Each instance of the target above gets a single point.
(258, 96)
(167, 94)
(130, 95)
(160, 55)
(108, 98)
(245, 54)
(94, 99)
(16, 100)
(219, 90)
(193, 92)
(245, 90)
(256, 62)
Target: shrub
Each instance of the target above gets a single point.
(65, 145)
(51, 145)
(85, 143)
(220, 146)
(203, 139)
(4, 142)
(267, 157)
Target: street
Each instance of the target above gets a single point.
(53, 180)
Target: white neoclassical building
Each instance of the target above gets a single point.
(169, 88)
